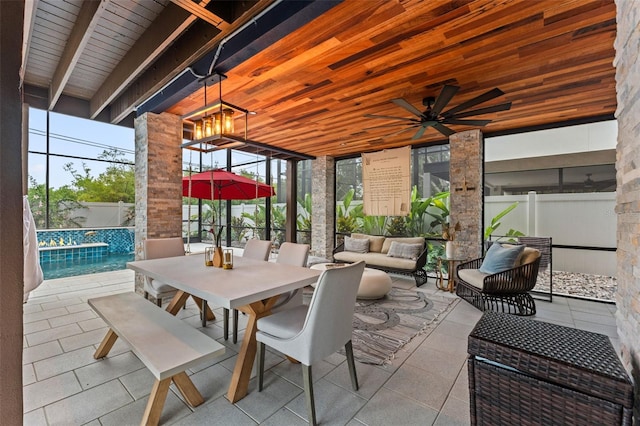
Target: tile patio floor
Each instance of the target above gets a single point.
(426, 384)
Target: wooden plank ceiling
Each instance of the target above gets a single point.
(311, 89)
(312, 86)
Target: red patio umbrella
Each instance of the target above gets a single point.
(224, 185)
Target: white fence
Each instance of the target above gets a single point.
(100, 215)
(584, 219)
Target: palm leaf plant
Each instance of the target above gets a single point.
(348, 219)
(495, 223)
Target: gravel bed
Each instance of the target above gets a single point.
(579, 285)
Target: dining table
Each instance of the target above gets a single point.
(251, 286)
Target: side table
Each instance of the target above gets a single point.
(523, 371)
(451, 272)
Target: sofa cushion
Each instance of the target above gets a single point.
(375, 241)
(408, 240)
(528, 255)
(376, 259)
(500, 258)
(404, 250)
(357, 245)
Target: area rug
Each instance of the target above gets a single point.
(381, 327)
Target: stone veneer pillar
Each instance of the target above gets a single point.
(158, 173)
(323, 206)
(627, 46)
(466, 168)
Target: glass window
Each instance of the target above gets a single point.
(596, 178)
(279, 202)
(89, 170)
(303, 216)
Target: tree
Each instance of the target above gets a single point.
(63, 202)
(116, 183)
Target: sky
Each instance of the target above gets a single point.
(75, 137)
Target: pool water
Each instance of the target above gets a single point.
(72, 268)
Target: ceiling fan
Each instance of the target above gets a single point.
(588, 182)
(433, 116)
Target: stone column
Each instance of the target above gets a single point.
(627, 65)
(158, 172)
(323, 217)
(466, 169)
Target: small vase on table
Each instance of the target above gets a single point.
(217, 257)
(450, 249)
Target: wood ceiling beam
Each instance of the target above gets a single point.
(30, 7)
(199, 11)
(167, 27)
(199, 39)
(88, 17)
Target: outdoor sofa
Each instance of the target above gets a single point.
(402, 255)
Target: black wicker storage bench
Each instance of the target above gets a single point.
(523, 371)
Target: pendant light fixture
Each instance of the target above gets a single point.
(212, 127)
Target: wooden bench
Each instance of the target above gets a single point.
(165, 344)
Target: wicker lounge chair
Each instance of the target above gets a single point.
(505, 291)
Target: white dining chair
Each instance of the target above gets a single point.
(157, 248)
(310, 333)
(296, 255)
(254, 249)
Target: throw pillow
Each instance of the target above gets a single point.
(407, 240)
(375, 241)
(500, 258)
(404, 250)
(357, 245)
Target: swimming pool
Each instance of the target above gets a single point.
(71, 268)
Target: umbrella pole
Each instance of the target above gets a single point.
(189, 208)
(219, 208)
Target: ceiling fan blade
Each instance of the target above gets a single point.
(406, 105)
(467, 122)
(389, 117)
(419, 133)
(443, 129)
(487, 96)
(480, 111)
(443, 99)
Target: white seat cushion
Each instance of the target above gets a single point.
(160, 287)
(473, 277)
(286, 324)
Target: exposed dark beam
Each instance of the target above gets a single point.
(278, 22)
(199, 39)
(90, 13)
(199, 11)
